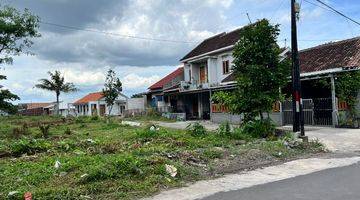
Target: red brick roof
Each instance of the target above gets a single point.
(160, 84)
(344, 54)
(90, 97)
(36, 105)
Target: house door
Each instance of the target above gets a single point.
(203, 78)
(102, 110)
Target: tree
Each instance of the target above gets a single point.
(112, 89)
(5, 97)
(259, 71)
(57, 84)
(138, 95)
(16, 31)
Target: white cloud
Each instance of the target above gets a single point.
(83, 77)
(135, 81)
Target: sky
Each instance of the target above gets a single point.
(84, 57)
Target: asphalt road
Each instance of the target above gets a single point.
(332, 184)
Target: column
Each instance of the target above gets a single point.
(335, 121)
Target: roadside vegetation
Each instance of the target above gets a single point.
(89, 157)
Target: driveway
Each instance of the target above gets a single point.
(335, 139)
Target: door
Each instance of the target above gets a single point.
(203, 77)
(102, 110)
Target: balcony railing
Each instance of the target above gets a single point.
(194, 85)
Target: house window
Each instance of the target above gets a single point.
(189, 74)
(225, 66)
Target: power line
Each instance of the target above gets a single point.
(312, 3)
(337, 12)
(115, 34)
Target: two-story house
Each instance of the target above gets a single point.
(206, 69)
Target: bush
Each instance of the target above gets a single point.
(259, 128)
(29, 146)
(67, 131)
(148, 132)
(44, 130)
(23, 130)
(224, 129)
(94, 118)
(196, 129)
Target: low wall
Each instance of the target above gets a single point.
(236, 119)
(135, 103)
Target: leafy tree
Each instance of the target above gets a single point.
(112, 89)
(57, 84)
(16, 31)
(5, 97)
(259, 71)
(347, 87)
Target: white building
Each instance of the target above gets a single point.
(94, 104)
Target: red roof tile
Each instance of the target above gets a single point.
(90, 97)
(36, 105)
(345, 53)
(160, 84)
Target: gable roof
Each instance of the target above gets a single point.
(341, 54)
(90, 97)
(160, 84)
(214, 43)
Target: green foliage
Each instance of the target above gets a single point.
(16, 30)
(67, 131)
(147, 132)
(224, 129)
(21, 131)
(112, 89)
(5, 97)
(196, 130)
(258, 128)
(259, 71)
(347, 89)
(57, 84)
(29, 146)
(44, 130)
(95, 118)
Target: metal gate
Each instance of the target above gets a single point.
(316, 112)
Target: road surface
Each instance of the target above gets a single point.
(332, 184)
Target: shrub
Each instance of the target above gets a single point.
(259, 128)
(23, 130)
(239, 134)
(224, 129)
(44, 130)
(196, 129)
(29, 146)
(67, 131)
(147, 132)
(94, 118)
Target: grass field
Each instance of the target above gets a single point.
(102, 160)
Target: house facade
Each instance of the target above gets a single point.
(156, 97)
(94, 104)
(207, 69)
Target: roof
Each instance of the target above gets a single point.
(344, 54)
(36, 105)
(160, 84)
(341, 54)
(90, 97)
(214, 43)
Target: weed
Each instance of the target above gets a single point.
(29, 146)
(94, 118)
(224, 129)
(67, 131)
(44, 130)
(259, 128)
(196, 129)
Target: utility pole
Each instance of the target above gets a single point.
(298, 115)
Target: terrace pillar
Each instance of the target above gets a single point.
(335, 121)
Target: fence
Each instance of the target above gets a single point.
(140, 112)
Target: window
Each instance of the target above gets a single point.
(225, 65)
(190, 75)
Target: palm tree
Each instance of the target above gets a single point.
(57, 84)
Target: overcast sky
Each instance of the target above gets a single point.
(84, 57)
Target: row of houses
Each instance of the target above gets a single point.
(206, 69)
(186, 92)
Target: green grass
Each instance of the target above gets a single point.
(111, 161)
